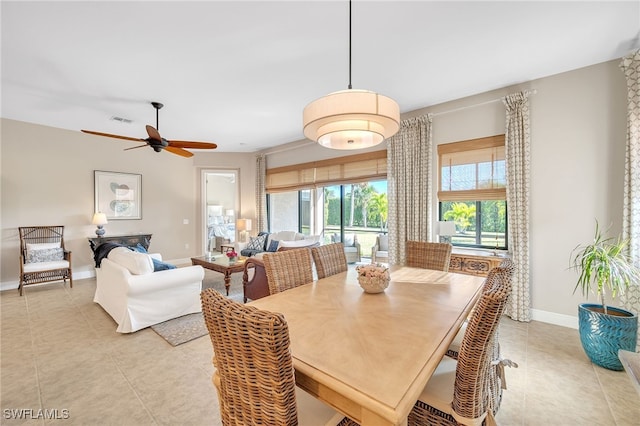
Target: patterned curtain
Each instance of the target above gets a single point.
(630, 65)
(517, 153)
(409, 169)
(261, 195)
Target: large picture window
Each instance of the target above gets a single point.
(472, 191)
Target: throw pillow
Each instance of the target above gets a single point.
(273, 245)
(139, 248)
(256, 243)
(349, 240)
(45, 255)
(384, 243)
(41, 246)
(161, 266)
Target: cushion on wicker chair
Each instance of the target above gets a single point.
(439, 390)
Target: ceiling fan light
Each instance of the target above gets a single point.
(351, 119)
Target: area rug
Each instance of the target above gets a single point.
(188, 327)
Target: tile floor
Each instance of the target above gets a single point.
(59, 351)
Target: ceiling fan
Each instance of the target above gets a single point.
(157, 142)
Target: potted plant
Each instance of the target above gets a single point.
(605, 269)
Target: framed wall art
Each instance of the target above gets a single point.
(118, 195)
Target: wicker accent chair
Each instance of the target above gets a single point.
(288, 269)
(43, 257)
(254, 374)
(329, 259)
(459, 391)
(426, 255)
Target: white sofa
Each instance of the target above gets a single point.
(136, 297)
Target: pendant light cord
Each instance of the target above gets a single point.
(349, 44)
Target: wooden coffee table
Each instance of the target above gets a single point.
(220, 264)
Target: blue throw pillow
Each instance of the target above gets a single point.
(161, 266)
(139, 248)
(273, 245)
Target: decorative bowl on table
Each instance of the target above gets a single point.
(373, 278)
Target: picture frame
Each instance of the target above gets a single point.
(118, 195)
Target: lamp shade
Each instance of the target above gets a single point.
(351, 119)
(229, 212)
(243, 224)
(99, 219)
(446, 229)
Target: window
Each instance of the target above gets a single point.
(472, 191)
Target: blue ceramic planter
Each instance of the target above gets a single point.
(602, 335)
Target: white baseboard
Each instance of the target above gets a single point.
(554, 318)
(12, 285)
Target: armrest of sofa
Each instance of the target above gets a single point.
(257, 286)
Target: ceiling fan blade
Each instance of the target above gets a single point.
(194, 145)
(109, 135)
(136, 147)
(153, 133)
(179, 151)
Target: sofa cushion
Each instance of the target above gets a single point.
(135, 262)
(297, 243)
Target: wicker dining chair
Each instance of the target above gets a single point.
(469, 376)
(43, 257)
(506, 266)
(329, 259)
(288, 269)
(426, 255)
(254, 374)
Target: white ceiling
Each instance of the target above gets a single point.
(239, 73)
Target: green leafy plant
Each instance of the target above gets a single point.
(604, 267)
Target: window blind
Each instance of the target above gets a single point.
(334, 171)
(472, 170)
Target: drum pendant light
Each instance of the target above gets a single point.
(351, 119)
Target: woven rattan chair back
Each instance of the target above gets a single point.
(42, 235)
(477, 350)
(329, 259)
(426, 255)
(288, 269)
(471, 394)
(255, 379)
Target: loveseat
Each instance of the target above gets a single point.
(136, 296)
(266, 242)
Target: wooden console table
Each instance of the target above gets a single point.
(128, 240)
(473, 264)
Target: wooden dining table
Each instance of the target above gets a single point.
(370, 355)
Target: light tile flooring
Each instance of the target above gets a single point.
(60, 351)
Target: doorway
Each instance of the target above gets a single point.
(220, 207)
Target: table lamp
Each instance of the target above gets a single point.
(99, 219)
(243, 225)
(446, 230)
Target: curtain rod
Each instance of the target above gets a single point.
(435, 114)
(290, 148)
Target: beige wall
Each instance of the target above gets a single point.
(47, 178)
(578, 126)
